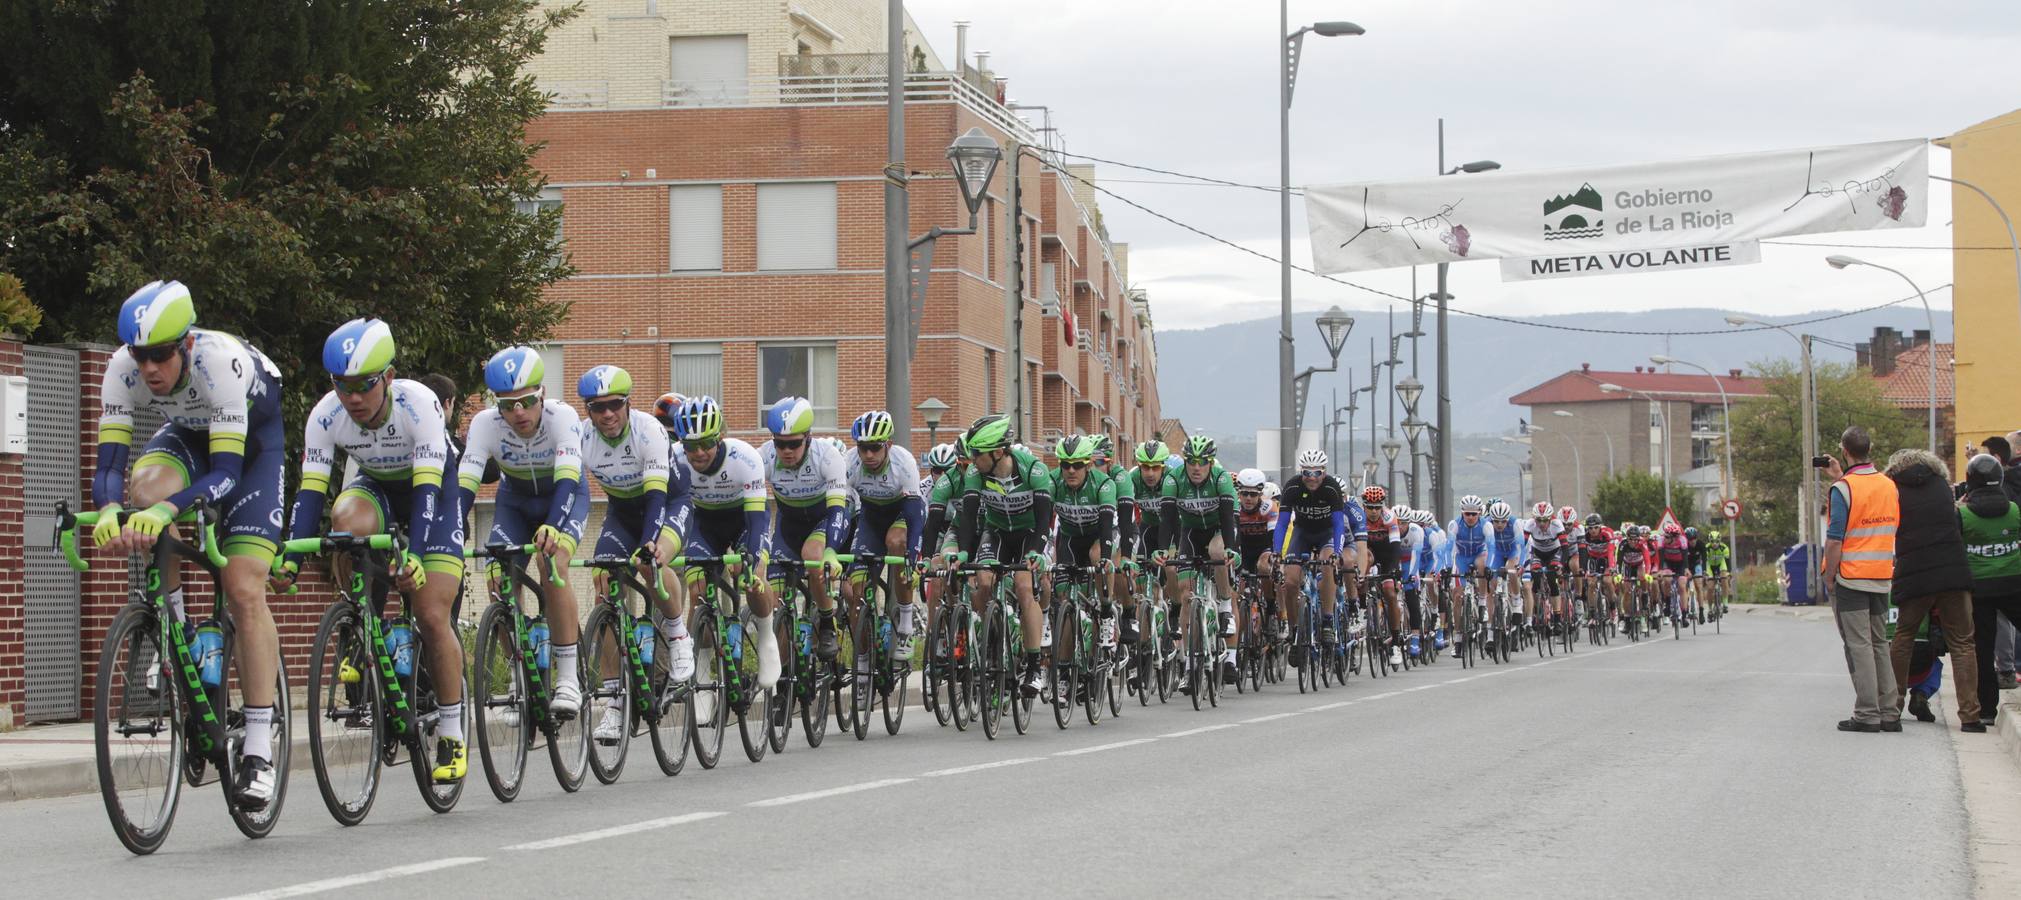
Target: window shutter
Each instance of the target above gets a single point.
(695, 214)
(796, 226)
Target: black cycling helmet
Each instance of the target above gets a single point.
(1983, 471)
(1593, 520)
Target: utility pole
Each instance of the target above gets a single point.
(1014, 300)
(1442, 442)
(897, 252)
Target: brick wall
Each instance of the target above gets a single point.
(13, 549)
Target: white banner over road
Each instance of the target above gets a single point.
(1647, 206)
(1615, 262)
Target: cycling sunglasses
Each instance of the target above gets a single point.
(872, 446)
(354, 385)
(157, 354)
(604, 407)
(1312, 473)
(700, 445)
(1249, 493)
(1073, 465)
(528, 401)
(788, 443)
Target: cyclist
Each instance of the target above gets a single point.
(945, 463)
(726, 479)
(1084, 512)
(1385, 548)
(810, 493)
(1202, 512)
(1717, 559)
(1543, 537)
(223, 443)
(890, 518)
(1433, 565)
(1255, 523)
(1507, 554)
(1596, 555)
(393, 430)
(1142, 526)
(1632, 558)
(1006, 500)
(542, 497)
(1410, 549)
(1564, 608)
(1673, 552)
(1314, 520)
(1470, 535)
(1694, 558)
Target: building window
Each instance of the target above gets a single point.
(1049, 289)
(803, 370)
(551, 377)
(796, 226)
(695, 227)
(709, 70)
(697, 370)
(547, 199)
(1704, 452)
(1705, 417)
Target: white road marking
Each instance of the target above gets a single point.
(1383, 695)
(1201, 730)
(1326, 706)
(1272, 718)
(831, 792)
(615, 831)
(331, 884)
(1101, 747)
(963, 770)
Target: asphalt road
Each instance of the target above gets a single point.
(1702, 767)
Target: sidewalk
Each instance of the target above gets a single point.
(60, 760)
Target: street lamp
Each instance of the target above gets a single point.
(1732, 485)
(1442, 493)
(1522, 495)
(974, 157)
(1578, 467)
(1289, 46)
(932, 409)
(1568, 414)
(1664, 452)
(1549, 486)
(1409, 390)
(1334, 325)
(1805, 524)
(1841, 261)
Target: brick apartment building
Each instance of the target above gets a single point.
(719, 168)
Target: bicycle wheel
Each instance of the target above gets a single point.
(753, 710)
(504, 720)
(709, 703)
(607, 684)
(439, 798)
(779, 705)
(992, 672)
(897, 680)
(280, 744)
(137, 725)
(863, 660)
(1061, 662)
(346, 740)
(816, 685)
(671, 733)
(1196, 653)
(568, 740)
(936, 689)
(1013, 677)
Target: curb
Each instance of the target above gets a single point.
(1800, 613)
(71, 777)
(2009, 732)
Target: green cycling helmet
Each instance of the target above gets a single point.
(1199, 447)
(1152, 453)
(1076, 448)
(990, 433)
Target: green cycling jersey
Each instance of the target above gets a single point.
(1006, 502)
(1079, 510)
(1200, 503)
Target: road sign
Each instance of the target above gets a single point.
(1730, 509)
(1666, 521)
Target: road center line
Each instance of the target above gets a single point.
(963, 770)
(1335, 705)
(1201, 730)
(1382, 695)
(615, 831)
(1101, 747)
(831, 792)
(331, 884)
(1272, 718)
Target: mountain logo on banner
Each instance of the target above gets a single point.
(1573, 224)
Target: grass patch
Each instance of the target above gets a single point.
(1757, 584)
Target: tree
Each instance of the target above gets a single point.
(296, 164)
(1768, 436)
(1631, 495)
(18, 314)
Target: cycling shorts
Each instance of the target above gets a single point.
(441, 543)
(1076, 549)
(515, 515)
(1679, 567)
(1007, 546)
(1199, 541)
(714, 532)
(1382, 559)
(1631, 569)
(1593, 565)
(873, 522)
(1305, 543)
(1252, 547)
(251, 513)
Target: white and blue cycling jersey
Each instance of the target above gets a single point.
(1410, 550)
(1505, 546)
(1469, 542)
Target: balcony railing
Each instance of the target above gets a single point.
(842, 89)
(577, 94)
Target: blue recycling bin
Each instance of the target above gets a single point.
(1797, 571)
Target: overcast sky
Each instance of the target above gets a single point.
(1190, 85)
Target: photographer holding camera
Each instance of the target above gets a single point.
(1859, 560)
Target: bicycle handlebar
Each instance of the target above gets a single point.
(68, 522)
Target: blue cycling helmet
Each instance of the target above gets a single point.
(604, 381)
(159, 313)
(358, 347)
(790, 415)
(514, 369)
(700, 419)
(875, 426)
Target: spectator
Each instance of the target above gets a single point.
(1859, 560)
(2011, 483)
(1926, 668)
(1931, 574)
(1992, 529)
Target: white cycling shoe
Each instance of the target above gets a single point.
(567, 700)
(681, 666)
(611, 726)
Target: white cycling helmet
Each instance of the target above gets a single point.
(1499, 511)
(1543, 510)
(1424, 517)
(1313, 458)
(1470, 503)
(1271, 490)
(1249, 479)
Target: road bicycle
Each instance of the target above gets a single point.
(1078, 669)
(627, 665)
(807, 681)
(1205, 645)
(513, 680)
(370, 694)
(950, 648)
(879, 675)
(726, 665)
(163, 714)
(996, 672)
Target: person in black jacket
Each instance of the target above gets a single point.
(1992, 528)
(1931, 572)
